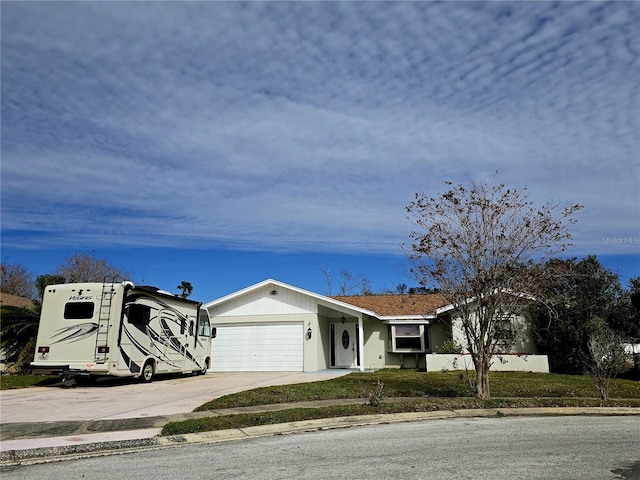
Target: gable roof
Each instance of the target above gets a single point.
(387, 308)
(15, 301)
(398, 306)
(328, 301)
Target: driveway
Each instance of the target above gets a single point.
(129, 399)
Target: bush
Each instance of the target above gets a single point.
(450, 347)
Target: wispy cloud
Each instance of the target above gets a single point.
(309, 125)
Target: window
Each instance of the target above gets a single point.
(407, 338)
(504, 332)
(138, 314)
(78, 310)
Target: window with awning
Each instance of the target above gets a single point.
(408, 338)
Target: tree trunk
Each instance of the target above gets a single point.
(482, 378)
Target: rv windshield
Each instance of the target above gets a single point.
(204, 327)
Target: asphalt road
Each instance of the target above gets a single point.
(472, 448)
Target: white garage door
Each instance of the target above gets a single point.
(258, 348)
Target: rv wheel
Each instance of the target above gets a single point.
(147, 372)
(205, 367)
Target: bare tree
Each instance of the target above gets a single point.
(349, 284)
(479, 246)
(326, 272)
(85, 267)
(16, 279)
(346, 282)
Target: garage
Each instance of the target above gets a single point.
(258, 348)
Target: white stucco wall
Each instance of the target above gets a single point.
(439, 332)
(375, 340)
(524, 341)
(506, 363)
(261, 302)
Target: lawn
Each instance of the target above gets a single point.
(412, 383)
(426, 391)
(22, 381)
(422, 404)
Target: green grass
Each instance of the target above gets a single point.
(432, 391)
(411, 383)
(22, 381)
(418, 405)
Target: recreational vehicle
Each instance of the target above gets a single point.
(90, 330)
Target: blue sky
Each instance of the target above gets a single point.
(223, 143)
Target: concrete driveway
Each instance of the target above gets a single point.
(129, 399)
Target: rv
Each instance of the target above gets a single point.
(91, 330)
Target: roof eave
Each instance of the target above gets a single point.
(412, 319)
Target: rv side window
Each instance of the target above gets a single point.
(78, 310)
(138, 314)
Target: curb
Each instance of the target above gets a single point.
(14, 458)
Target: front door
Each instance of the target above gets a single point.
(344, 344)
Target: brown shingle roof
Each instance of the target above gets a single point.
(397, 305)
(14, 301)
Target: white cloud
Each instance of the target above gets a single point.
(309, 126)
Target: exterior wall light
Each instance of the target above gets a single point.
(309, 332)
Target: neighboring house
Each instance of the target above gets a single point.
(15, 301)
(273, 326)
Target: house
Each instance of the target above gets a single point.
(273, 326)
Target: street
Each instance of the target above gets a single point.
(470, 448)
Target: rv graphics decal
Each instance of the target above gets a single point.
(172, 323)
(75, 333)
(133, 366)
(174, 342)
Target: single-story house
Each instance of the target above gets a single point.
(273, 326)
